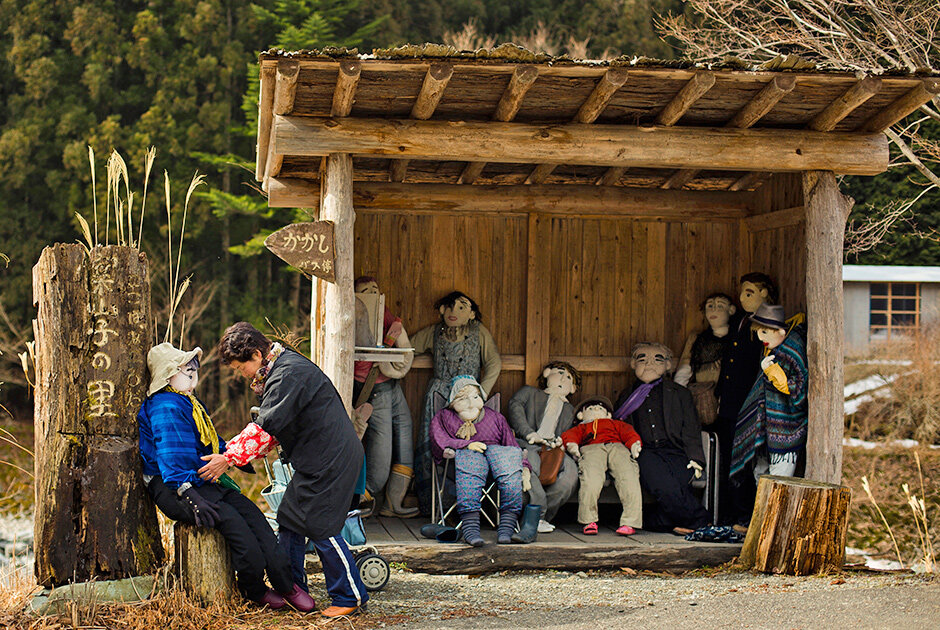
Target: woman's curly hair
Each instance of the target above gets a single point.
(240, 341)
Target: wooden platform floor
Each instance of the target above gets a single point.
(566, 548)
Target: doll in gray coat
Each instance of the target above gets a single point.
(538, 417)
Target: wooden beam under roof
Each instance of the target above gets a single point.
(435, 82)
(265, 108)
(590, 109)
(285, 89)
(522, 79)
(747, 116)
(773, 150)
(344, 94)
(902, 107)
(651, 203)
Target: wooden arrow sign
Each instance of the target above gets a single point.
(306, 246)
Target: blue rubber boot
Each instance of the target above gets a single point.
(529, 528)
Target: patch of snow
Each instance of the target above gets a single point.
(857, 443)
(881, 362)
(852, 406)
(867, 384)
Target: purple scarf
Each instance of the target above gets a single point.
(636, 399)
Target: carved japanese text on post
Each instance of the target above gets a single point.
(306, 246)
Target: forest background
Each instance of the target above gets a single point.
(181, 75)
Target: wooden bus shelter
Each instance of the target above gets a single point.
(585, 206)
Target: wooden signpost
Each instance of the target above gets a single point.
(306, 246)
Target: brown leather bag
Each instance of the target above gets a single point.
(706, 403)
(550, 459)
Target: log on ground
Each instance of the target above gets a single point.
(203, 563)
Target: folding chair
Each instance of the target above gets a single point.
(709, 480)
(441, 483)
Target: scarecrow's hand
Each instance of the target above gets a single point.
(479, 447)
(449, 453)
(696, 468)
(635, 449)
(534, 438)
(766, 362)
(776, 376)
(204, 511)
(555, 442)
(526, 479)
(573, 450)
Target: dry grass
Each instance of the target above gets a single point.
(16, 466)
(888, 471)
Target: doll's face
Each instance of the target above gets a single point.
(370, 286)
(468, 403)
(187, 378)
(650, 363)
(592, 413)
(752, 296)
(458, 314)
(771, 337)
(558, 381)
(718, 311)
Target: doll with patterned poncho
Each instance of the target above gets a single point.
(771, 428)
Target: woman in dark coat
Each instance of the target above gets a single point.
(303, 413)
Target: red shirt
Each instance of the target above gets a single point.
(602, 431)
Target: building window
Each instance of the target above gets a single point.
(895, 309)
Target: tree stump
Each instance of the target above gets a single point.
(798, 527)
(203, 563)
(93, 516)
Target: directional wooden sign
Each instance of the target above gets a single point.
(306, 246)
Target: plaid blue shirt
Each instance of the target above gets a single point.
(169, 439)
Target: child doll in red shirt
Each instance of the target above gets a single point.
(601, 444)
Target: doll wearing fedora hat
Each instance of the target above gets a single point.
(771, 428)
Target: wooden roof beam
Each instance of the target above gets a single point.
(435, 82)
(551, 199)
(832, 115)
(774, 150)
(522, 79)
(265, 107)
(285, 89)
(590, 109)
(694, 89)
(346, 83)
(747, 116)
(907, 104)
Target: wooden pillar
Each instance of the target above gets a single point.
(826, 212)
(203, 563)
(339, 320)
(93, 516)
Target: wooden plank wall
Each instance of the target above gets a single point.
(613, 281)
(781, 253)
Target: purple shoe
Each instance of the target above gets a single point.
(272, 600)
(301, 600)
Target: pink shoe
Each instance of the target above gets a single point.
(272, 600)
(625, 530)
(590, 529)
(301, 600)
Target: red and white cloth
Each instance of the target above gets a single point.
(252, 443)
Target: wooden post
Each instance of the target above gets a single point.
(339, 322)
(203, 563)
(798, 527)
(93, 516)
(826, 212)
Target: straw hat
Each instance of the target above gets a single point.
(165, 361)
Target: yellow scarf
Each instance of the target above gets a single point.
(207, 434)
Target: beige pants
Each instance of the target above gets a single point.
(596, 460)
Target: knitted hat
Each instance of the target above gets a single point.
(164, 362)
(461, 381)
(594, 400)
(770, 315)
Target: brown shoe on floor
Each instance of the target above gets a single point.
(741, 529)
(339, 611)
(682, 531)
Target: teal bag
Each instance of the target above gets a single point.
(353, 531)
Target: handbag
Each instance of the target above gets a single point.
(706, 403)
(550, 463)
(353, 531)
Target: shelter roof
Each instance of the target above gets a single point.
(343, 101)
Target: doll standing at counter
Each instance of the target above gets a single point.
(461, 345)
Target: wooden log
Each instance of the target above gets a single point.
(826, 212)
(285, 89)
(922, 93)
(93, 516)
(203, 563)
(563, 199)
(443, 559)
(340, 318)
(523, 77)
(435, 82)
(775, 220)
(611, 177)
(747, 116)
(346, 83)
(798, 527)
(827, 119)
(749, 180)
(265, 109)
(774, 150)
(590, 109)
(694, 89)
